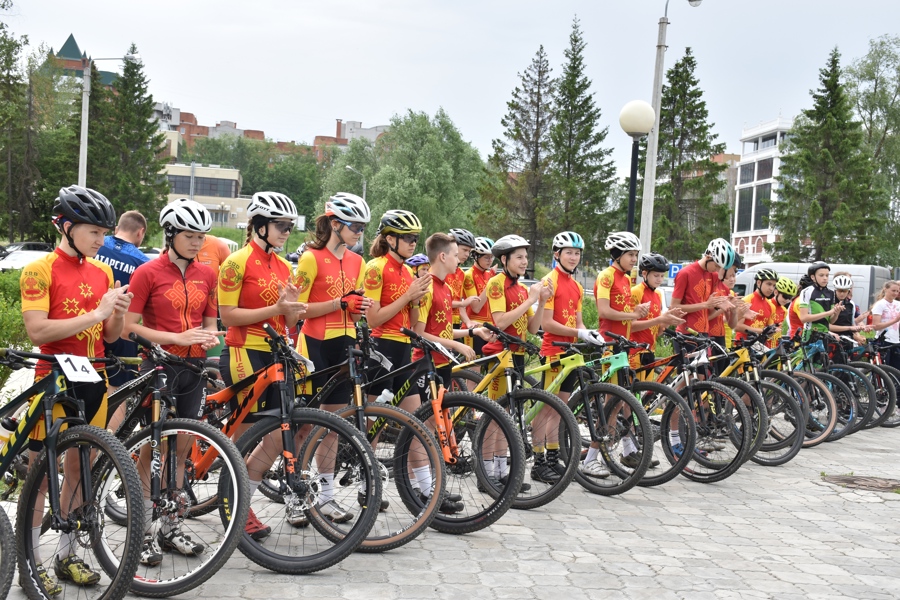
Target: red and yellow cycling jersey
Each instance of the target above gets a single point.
(765, 310)
(505, 295)
(65, 287)
(639, 295)
(565, 304)
(717, 324)
(693, 285)
(456, 280)
(793, 315)
(436, 311)
(614, 285)
(323, 277)
(252, 278)
(386, 280)
(473, 284)
(168, 300)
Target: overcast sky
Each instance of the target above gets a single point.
(292, 67)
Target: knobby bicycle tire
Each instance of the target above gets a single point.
(721, 418)
(115, 548)
(759, 416)
(822, 414)
(864, 392)
(786, 430)
(298, 550)
(223, 497)
(566, 433)
(406, 516)
(669, 414)
(7, 554)
(885, 392)
(845, 402)
(622, 424)
(479, 426)
(893, 419)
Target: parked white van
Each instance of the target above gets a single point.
(867, 279)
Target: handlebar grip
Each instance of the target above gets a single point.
(493, 328)
(141, 340)
(409, 332)
(270, 330)
(562, 344)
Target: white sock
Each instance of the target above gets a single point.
(628, 446)
(592, 454)
(489, 467)
(66, 541)
(254, 485)
(674, 438)
(326, 493)
(500, 466)
(148, 514)
(423, 478)
(36, 543)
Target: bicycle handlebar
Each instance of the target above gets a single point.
(508, 339)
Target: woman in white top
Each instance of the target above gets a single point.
(886, 315)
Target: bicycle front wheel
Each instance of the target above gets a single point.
(81, 533)
(676, 439)
(724, 433)
(487, 461)
(335, 468)
(786, 431)
(623, 444)
(861, 388)
(885, 392)
(822, 415)
(759, 418)
(7, 554)
(210, 507)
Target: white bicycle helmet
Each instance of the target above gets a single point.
(622, 240)
(185, 215)
(842, 282)
(721, 252)
(507, 244)
(483, 245)
(567, 239)
(348, 207)
(272, 205)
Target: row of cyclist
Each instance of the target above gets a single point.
(259, 461)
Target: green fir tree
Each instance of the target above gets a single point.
(828, 207)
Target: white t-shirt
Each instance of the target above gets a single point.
(888, 311)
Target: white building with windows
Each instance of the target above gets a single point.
(216, 188)
(757, 169)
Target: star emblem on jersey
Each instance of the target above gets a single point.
(440, 317)
(86, 290)
(70, 306)
(329, 279)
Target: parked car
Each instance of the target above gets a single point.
(19, 258)
(27, 246)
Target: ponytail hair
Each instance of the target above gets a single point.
(379, 246)
(887, 285)
(322, 233)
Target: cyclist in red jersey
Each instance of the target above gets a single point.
(761, 302)
(255, 288)
(175, 305)
(513, 310)
(561, 322)
(612, 290)
(475, 286)
(653, 268)
(70, 306)
(465, 242)
(326, 273)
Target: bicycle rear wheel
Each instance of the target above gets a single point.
(885, 392)
(404, 443)
(488, 462)
(822, 417)
(844, 400)
(330, 450)
(893, 418)
(116, 548)
(671, 416)
(543, 419)
(862, 389)
(625, 437)
(723, 429)
(785, 434)
(7, 554)
(759, 417)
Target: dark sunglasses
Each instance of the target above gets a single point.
(283, 227)
(410, 238)
(354, 227)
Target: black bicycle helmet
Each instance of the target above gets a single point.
(811, 270)
(84, 205)
(654, 263)
(766, 275)
(463, 237)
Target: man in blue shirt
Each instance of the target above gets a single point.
(120, 252)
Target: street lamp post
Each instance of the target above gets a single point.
(85, 101)
(349, 168)
(653, 139)
(636, 118)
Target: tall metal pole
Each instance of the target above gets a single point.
(364, 188)
(632, 190)
(653, 141)
(85, 101)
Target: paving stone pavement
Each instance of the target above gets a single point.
(779, 533)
